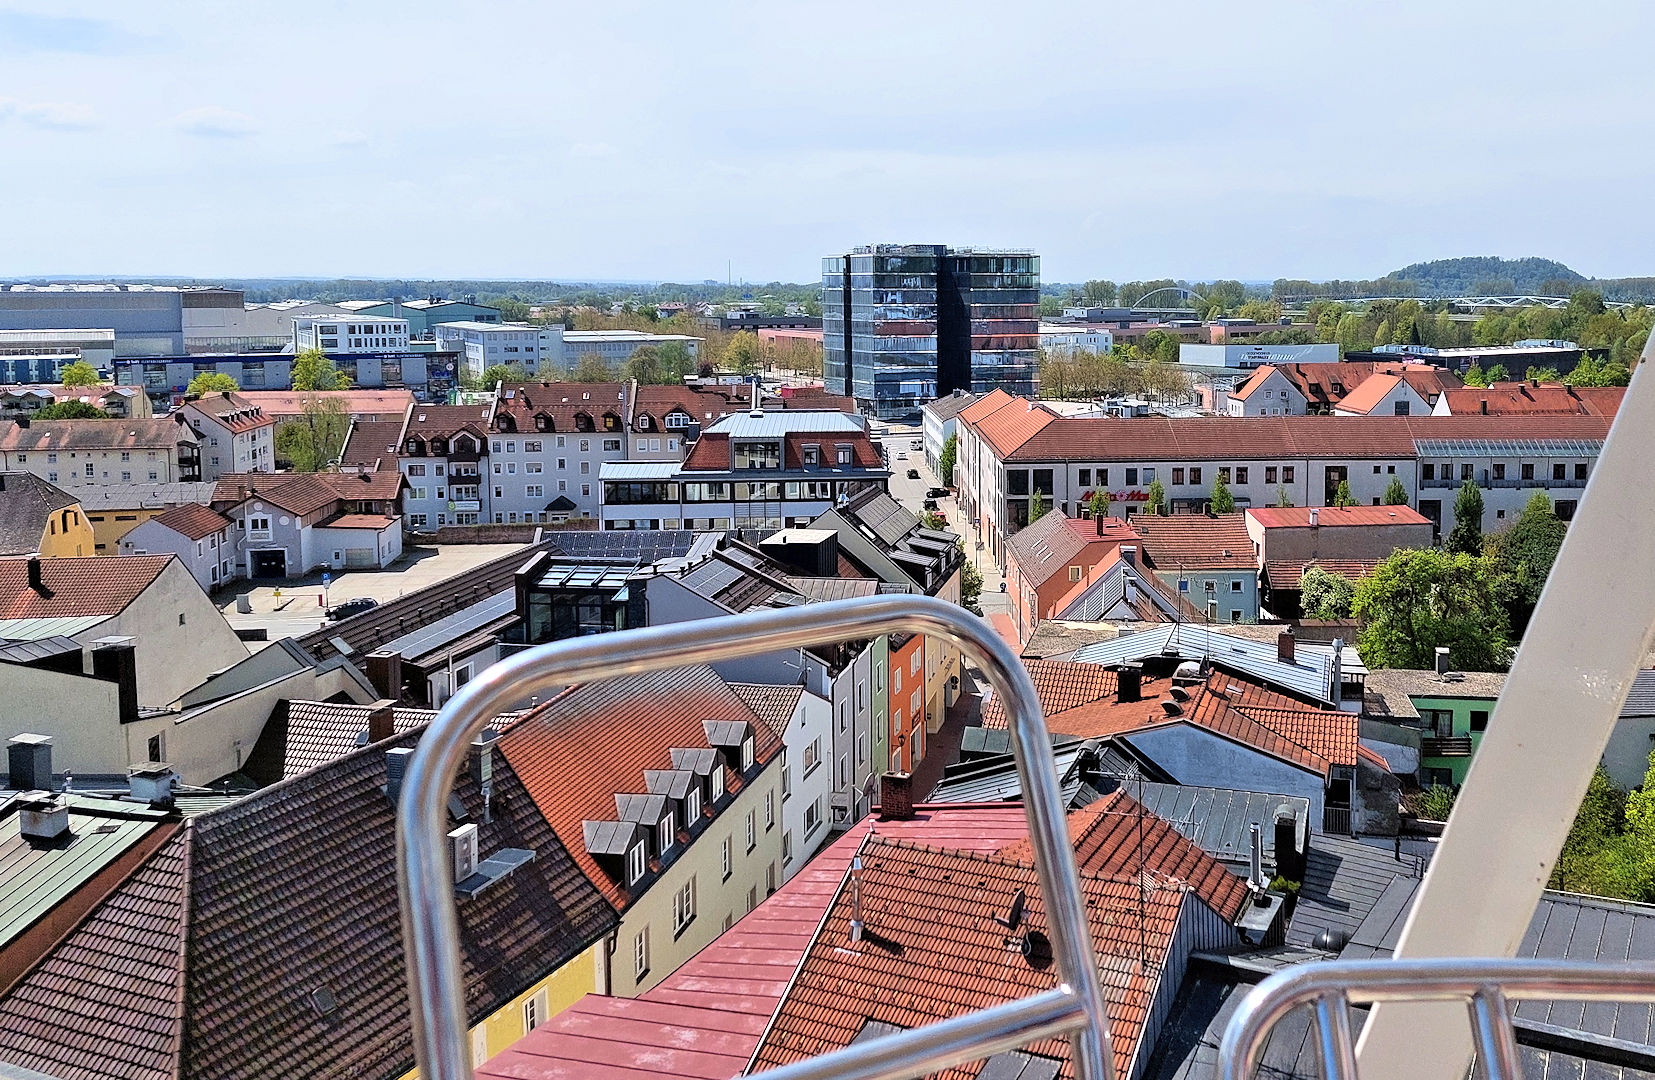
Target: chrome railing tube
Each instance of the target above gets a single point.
(1487, 985)
(430, 928)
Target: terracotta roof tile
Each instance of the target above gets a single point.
(46, 435)
(375, 485)
(388, 405)
(303, 735)
(1366, 397)
(1526, 399)
(1332, 517)
(567, 407)
(89, 585)
(932, 951)
(445, 421)
(1061, 685)
(1289, 574)
(373, 441)
(592, 742)
(281, 894)
(1117, 837)
(1196, 542)
(774, 705)
(297, 493)
(232, 411)
(985, 406)
(193, 520)
(1013, 424)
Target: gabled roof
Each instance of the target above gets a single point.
(1366, 397)
(1528, 399)
(985, 405)
(1332, 517)
(1196, 542)
(706, 1018)
(303, 735)
(774, 705)
(1061, 685)
(1289, 574)
(560, 403)
(1013, 424)
(372, 441)
(265, 939)
(26, 504)
(1258, 378)
(298, 493)
(77, 585)
(357, 401)
(593, 742)
(946, 408)
(231, 411)
(446, 421)
(1119, 837)
(1051, 544)
(931, 951)
(131, 434)
(193, 521)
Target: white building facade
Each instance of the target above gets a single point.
(1252, 356)
(349, 333)
(484, 345)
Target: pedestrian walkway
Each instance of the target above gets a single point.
(942, 747)
(1003, 626)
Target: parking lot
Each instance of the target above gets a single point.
(295, 606)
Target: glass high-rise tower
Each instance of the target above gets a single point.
(905, 323)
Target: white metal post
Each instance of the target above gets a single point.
(1589, 635)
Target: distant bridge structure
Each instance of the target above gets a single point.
(1459, 303)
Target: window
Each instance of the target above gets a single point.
(640, 954)
(769, 810)
(746, 753)
(752, 830)
(635, 863)
(664, 833)
(534, 1011)
(89, 473)
(1195, 475)
(611, 444)
(752, 899)
(1479, 719)
(534, 491)
(813, 815)
(861, 747)
(725, 861)
(158, 747)
(1428, 471)
(683, 907)
(692, 807)
(1402, 408)
(1074, 573)
(1241, 474)
(533, 467)
(1177, 476)
(1528, 470)
(1499, 470)
(1580, 471)
(532, 446)
(1465, 471)
(787, 847)
(1235, 586)
(1132, 476)
(717, 781)
(1085, 477)
(813, 756)
(1269, 474)
(1224, 474)
(1287, 474)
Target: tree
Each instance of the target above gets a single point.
(1498, 373)
(592, 368)
(1342, 496)
(1466, 537)
(931, 520)
(1325, 596)
(644, 365)
(1099, 504)
(71, 410)
(1524, 555)
(1221, 502)
(314, 440)
(1395, 493)
(312, 370)
(1157, 503)
(676, 361)
(211, 382)
(511, 309)
(945, 463)
(1415, 601)
(1282, 497)
(1610, 849)
(1037, 507)
(971, 586)
(1475, 376)
(743, 354)
(79, 373)
(495, 374)
(1541, 374)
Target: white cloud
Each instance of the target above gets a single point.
(52, 115)
(214, 122)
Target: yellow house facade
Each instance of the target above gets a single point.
(39, 517)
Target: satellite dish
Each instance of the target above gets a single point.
(1014, 917)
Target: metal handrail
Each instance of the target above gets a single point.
(430, 928)
(1485, 985)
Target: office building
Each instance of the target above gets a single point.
(39, 356)
(424, 315)
(905, 323)
(483, 345)
(350, 333)
(429, 375)
(1255, 355)
(615, 347)
(146, 320)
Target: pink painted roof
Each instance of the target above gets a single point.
(705, 1019)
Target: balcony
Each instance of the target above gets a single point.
(1336, 820)
(1445, 746)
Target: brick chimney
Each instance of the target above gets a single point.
(1129, 683)
(1284, 646)
(384, 671)
(896, 796)
(382, 720)
(35, 581)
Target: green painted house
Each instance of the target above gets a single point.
(1450, 712)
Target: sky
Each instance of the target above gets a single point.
(653, 141)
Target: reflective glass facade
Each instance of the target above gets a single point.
(904, 324)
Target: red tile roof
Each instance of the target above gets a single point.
(1328, 517)
(1196, 541)
(1527, 399)
(932, 951)
(297, 493)
(1056, 541)
(593, 742)
(89, 585)
(563, 405)
(1117, 837)
(775, 705)
(445, 421)
(193, 520)
(985, 405)
(1061, 684)
(46, 435)
(710, 452)
(1013, 424)
(373, 441)
(1289, 574)
(388, 405)
(1366, 397)
(372, 485)
(232, 411)
(706, 1018)
(358, 521)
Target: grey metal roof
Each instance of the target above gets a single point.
(641, 809)
(725, 732)
(774, 425)
(1640, 701)
(673, 783)
(997, 781)
(1343, 883)
(1508, 447)
(608, 837)
(451, 628)
(699, 760)
(639, 470)
(23, 652)
(1219, 819)
(1310, 674)
(35, 629)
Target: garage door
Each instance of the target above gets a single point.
(360, 557)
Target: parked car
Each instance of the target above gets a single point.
(917, 444)
(901, 456)
(913, 474)
(930, 504)
(351, 607)
(936, 493)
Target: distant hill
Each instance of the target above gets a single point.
(1491, 275)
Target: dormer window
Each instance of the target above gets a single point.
(540, 423)
(678, 419)
(717, 780)
(611, 422)
(635, 862)
(413, 446)
(692, 806)
(664, 833)
(747, 753)
(812, 456)
(439, 447)
(844, 454)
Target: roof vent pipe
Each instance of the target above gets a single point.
(1255, 866)
(1442, 660)
(1314, 517)
(396, 764)
(856, 924)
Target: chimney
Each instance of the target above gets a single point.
(1442, 660)
(856, 923)
(29, 762)
(385, 673)
(396, 763)
(115, 659)
(1098, 521)
(1338, 670)
(34, 576)
(1484, 403)
(1129, 682)
(382, 723)
(1315, 517)
(1284, 646)
(1255, 866)
(43, 820)
(1129, 554)
(1289, 859)
(152, 782)
(896, 796)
